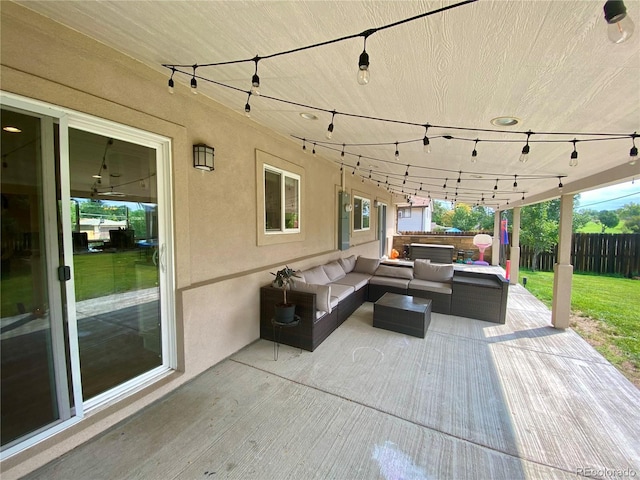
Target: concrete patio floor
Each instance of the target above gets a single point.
(471, 400)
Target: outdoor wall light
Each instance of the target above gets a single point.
(203, 157)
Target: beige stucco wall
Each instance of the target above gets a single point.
(218, 265)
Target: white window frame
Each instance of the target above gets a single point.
(362, 216)
(284, 174)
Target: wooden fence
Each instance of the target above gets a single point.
(593, 252)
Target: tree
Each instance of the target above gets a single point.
(484, 217)
(437, 212)
(464, 218)
(608, 219)
(630, 215)
(537, 231)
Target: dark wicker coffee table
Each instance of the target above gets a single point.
(402, 314)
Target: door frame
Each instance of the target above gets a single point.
(66, 119)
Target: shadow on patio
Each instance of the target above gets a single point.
(471, 400)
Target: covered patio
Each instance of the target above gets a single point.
(471, 400)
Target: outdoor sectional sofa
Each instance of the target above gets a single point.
(326, 295)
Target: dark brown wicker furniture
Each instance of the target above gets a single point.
(482, 296)
(433, 252)
(402, 314)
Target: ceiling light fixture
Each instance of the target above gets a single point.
(11, 129)
(620, 26)
(504, 121)
(574, 155)
(524, 156)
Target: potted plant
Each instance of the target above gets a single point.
(285, 312)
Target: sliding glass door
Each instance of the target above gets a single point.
(87, 290)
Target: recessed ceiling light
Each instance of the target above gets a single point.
(308, 116)
(11, 129)
(505, 121)
(477, 176)
(96, 176)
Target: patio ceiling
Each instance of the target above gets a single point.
(547, 63)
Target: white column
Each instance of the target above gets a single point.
(495, 248)
(515, 247)
(563, 270)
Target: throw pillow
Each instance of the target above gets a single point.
(316, 275)
(395, 272)
(348, 263)
(434, 272)
(366, 265)
(333, 270)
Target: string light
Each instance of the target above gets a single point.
(397, 154)
(445, 183)
(342, 152)
(358, 164)
(524, 156)
(474, 153)
(633, 153)
(515, 183)
(330, 128)
(459, 176)
(426, 147)
(314, 150)
(194, 82)
(171, 84)
(620, 26)
(363, 62)
(255, 79)
(560, 186)
(574, 155)
(247, 111)
(304, 146)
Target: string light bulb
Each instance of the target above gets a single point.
(524, 156)
(515, 183)
(573, 162)
(633, 153)
(620, 26)
(397, 154)
(342, 152)
(247, 107)
(194, 82)
(363, 65)
(560, 185)
(426, 147)
(474, 153)
(330, 128)
(314, 150)
(170, 83)
(255, 79)
(304, 145)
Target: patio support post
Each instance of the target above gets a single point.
(515, 247)
(495, 247)
(563, 270)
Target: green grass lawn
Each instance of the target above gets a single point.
(613, 305)
(96, 275)
(593, 227)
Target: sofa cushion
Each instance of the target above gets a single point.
(333, 270)
(315, 275)
(390, 281)
(397, 272)
(341, 291)
(323, 294)
(434, 272)
(428, 286)
(366, 265)
(348, 263)
(356, 280)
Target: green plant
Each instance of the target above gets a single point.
(284, 279)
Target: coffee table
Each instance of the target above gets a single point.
(402, 314)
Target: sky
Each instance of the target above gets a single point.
(612, 197)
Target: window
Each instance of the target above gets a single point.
(281, 201)
(361, 213)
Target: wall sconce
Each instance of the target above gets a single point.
(203, 157)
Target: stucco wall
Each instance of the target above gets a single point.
(219, 266)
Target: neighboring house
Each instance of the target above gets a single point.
(98, 228)
(415, 215)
